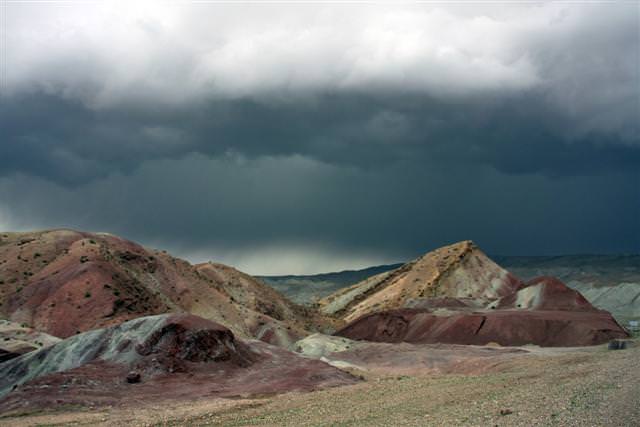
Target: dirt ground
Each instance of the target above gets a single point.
(549, 387)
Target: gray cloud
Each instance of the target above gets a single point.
(515, 134)
(267, 215)
(176, 53)
(294, 138)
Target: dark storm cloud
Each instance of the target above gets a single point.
(515, 134)
(318, 135)
(524, 89)
(265, 214)
(67, 142)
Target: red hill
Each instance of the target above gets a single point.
(156, 358)
(64, 282)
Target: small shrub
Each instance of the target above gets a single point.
(87, 294)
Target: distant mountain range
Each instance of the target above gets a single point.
(306, 289)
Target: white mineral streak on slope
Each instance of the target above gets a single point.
(80, 349)
(622, 300)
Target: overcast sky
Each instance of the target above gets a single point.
(285, 138)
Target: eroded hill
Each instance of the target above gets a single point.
(64, 282)
(155, 358)
(460, 270)
(609, 282)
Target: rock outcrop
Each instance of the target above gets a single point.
(608, 282)
(157, 357)
(16, 340)
(504, 327)
(544, 312)
(544, 293)
(460, 270)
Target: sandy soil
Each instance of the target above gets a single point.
(564, 387)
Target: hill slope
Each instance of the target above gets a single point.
(16, 340)
(63, 282)
(460, 270)
(609, 282)
(306, 289)
(171, 356)
(543, 312)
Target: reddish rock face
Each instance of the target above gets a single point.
(505, 327)
(545, 312)
(187, 338)
(155, 358)
(64, 282)
(545, 293)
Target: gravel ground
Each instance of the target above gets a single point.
(550, 387)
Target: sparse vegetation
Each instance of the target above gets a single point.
(598, 389)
